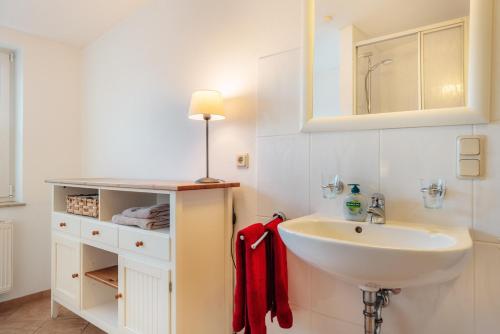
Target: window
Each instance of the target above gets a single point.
(7, 136)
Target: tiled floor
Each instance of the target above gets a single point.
(33, 317)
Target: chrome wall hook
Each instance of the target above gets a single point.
(433, 192)
(279, 214)
(254, 246)
(333, 188)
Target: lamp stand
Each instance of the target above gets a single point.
(207, 179)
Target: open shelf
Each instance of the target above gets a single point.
(115, 201)
(108, 276)
(60, 193)
(105, 316)
(99, 287)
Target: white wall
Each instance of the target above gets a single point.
(138, 79)
(390, 161)
(49, 146)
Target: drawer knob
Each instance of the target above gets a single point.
(74, 275)
(62, 224)
(118, 296)
(139, 244)
(95, 232)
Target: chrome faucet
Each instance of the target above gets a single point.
(376, 210)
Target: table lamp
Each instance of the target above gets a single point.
(207, 105)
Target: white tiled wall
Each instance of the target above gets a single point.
(354, 156)
(278, 106)
(406, 156)
(290, 170)
(487, 289)
(284, 153)
(486, 214)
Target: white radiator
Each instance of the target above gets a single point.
(6, 248)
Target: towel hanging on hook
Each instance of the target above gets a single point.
(261, 278)
(278, 214)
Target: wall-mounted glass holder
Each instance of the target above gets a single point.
(332, 186)
(433, 192)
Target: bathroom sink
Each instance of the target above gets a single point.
(394, 255)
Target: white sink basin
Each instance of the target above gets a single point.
(395, 255)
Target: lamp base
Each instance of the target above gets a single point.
(207, 180)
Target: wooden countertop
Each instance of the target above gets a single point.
(142, 184)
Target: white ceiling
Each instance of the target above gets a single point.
(380, 17)
(76, 22)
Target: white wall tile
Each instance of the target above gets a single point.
(321, 324)
(393, 161)
(335, 298)
(487, 288)
(282, 175)
(299, 281)
(406, 155)
(486, 212)
(279, 94)
(435, 309)
(301, 322)
(352, 155)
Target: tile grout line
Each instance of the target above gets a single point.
(85, 328)
(42, 325)
(337, 318)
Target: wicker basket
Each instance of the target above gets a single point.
(84, 205)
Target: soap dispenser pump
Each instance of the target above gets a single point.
(355, 204)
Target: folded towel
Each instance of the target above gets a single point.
(146, 224)
(147, 212)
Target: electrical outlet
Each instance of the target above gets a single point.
(242, 160)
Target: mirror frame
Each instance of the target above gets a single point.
(478, 106)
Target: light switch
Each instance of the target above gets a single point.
(470, 167)
(470, 160)
(470, 146)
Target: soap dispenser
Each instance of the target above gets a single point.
(355, 205)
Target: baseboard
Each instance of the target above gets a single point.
(22, 300)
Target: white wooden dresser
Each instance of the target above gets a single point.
(123, 279)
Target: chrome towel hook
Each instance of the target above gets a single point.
(278, 214)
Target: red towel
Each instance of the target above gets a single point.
(279, 276)
(250, 300)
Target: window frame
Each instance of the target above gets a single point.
(8, 56)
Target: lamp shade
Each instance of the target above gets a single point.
(207, 104)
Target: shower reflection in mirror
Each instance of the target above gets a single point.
(416, 70)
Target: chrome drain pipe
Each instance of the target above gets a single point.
(370, 312)
(374, 300)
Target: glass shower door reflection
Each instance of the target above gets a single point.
(388, 76)
(443, 73)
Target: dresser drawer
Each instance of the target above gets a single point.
(148, 243)
(105, 233)
(66, 223)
